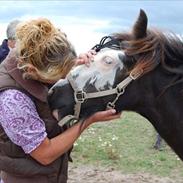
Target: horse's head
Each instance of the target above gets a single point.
(98, 86)
(100, 76)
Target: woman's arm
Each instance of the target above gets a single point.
(51, 149)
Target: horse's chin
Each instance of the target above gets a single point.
(63, 112)
(87, 112)
(60, 114)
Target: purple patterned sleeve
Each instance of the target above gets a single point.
(20, 120)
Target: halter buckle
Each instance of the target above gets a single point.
(80, 96)
(136, 73)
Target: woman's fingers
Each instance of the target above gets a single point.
(105, 115)
(86, 58)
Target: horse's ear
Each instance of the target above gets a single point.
(140, 26)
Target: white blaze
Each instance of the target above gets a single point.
(101, 72)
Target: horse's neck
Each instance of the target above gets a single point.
(165, 112)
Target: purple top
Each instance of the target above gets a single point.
(20, 120)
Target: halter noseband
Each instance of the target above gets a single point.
(80, 96)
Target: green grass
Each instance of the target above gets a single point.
(127, 145)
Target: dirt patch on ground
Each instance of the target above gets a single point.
(89, 174)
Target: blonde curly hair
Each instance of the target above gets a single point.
(45, 47)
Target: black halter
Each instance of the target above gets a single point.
(108, 42)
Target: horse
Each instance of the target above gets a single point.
(140, 70)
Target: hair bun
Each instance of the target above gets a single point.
(45, 27)
(34, 34)
(35, 31)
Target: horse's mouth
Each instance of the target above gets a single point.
(56, 114)
(63, 111)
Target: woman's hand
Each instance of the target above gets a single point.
(85, 58)
(103, 116)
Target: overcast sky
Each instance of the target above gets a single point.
(85, 22)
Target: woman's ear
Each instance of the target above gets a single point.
(31, 69)
(31, 72)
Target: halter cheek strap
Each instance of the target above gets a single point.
(80, 96)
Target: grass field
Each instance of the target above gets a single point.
(127, 145)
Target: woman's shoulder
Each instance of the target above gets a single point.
(14, 94)
(20, 120)
(16, 99)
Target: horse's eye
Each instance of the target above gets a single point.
(108, 60)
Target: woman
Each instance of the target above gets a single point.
(33, 148)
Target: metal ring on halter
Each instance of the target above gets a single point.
(110, 105)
